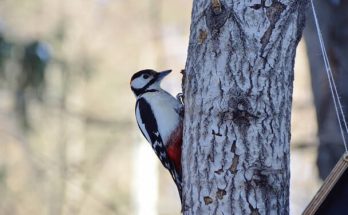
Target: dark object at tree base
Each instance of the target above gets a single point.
(333, 193)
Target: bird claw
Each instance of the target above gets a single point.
(180, 98)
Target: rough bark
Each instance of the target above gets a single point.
(238, 93)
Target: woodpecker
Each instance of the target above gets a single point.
(159, 117)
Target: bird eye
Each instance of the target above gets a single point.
(146, 76)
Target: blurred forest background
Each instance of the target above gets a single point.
(68, 139)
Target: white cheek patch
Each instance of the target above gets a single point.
(139, 83)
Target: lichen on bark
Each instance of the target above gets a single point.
(238, 93)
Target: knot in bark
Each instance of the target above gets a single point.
(216, 16)
(241, 109)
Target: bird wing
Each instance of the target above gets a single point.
(148, 126)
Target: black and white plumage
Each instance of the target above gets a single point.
(158, 115)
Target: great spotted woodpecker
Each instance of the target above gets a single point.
(159, 117)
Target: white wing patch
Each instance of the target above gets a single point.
(164, 107)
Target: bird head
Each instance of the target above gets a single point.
(147, 80)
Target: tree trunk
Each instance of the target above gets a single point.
(238, 92)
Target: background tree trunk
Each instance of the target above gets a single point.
(238, 94)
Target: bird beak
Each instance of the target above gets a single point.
(163, 74)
